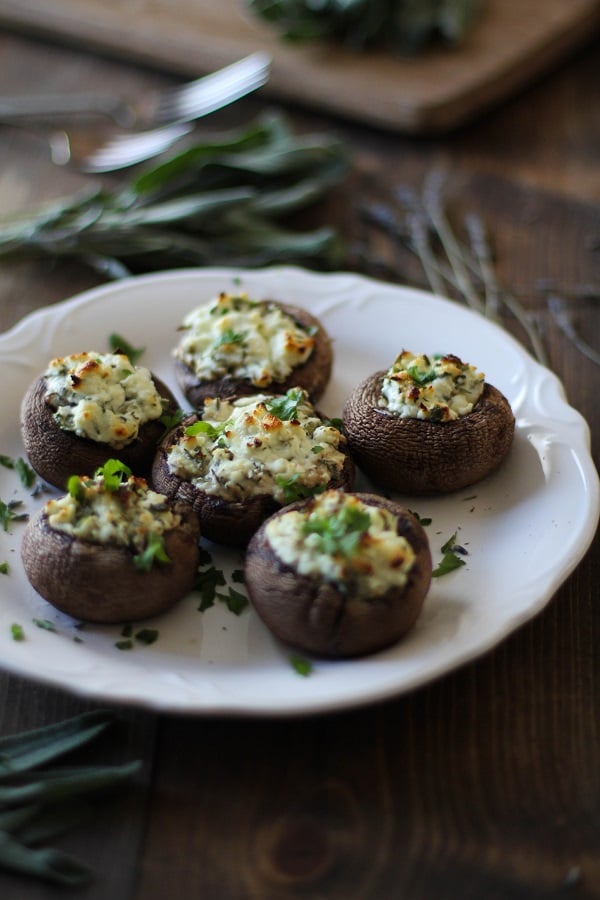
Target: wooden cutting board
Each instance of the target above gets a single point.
(513, 42)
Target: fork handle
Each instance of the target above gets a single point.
(44, 106)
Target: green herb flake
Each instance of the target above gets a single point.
(451, 559)
(124, 645)
(207, 583)
(25, 472)
(423, 520)
(230, 336)
(293, 489)
(113, 473)
(76, 488)
(17, 632)
(202, 427)
(127, 631)
(339, 534)
(171, 421)
(301, 666)
(119, 344)
(235, 601)
(8, 513)
(286, 407)
(44, 624)
(7, 461)
(147, 636)
(154, 551)
(4, 568)
(238, 576)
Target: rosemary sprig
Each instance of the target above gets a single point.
(37, 804)
(228, 200)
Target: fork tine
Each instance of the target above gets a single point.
(211, 92)
(129, 149)
(199, 98)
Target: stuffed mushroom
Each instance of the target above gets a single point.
(88, 407)
(111, 549)
(339, 575)
(239, 460)
(428, 425)
(237, 346)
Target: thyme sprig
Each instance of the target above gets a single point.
(452, 264)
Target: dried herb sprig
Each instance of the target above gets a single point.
(419, 222)
(228, 200)
(37, 804)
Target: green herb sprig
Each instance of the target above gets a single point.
(400, 26)
(452, 558)
(37, 804)
(225, 200)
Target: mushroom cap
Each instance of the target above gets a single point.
(225, 521)
(56, 454)
(315, 616)
(418, 456)
(312, 375)
(100, 583)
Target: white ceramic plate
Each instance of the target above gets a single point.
(525, 528)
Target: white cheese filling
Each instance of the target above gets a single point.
(125, 517)
(345, 542)
(101, 396)
(275, 445)
(244, 338)
(439, 388)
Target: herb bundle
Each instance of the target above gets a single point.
(38, 803)
(224, 201)
(400, 26)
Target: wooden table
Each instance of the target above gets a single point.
(484, 784)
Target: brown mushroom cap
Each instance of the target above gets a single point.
(315, 616)
(312, 375)
(224, 521)
(418, 456)
(56, 454)
(100, 583)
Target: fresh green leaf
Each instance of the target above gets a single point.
(154, 551)
(4, 568)
(119, 344)
(286, 406)
(113, 473)
(44, 624)
(235, 601)
(293, 489)
(340, 533)
(451, 559)
(17, 632)
(301, 665)
(207, 428)
(207, 583)
(25, 472)
(146, 636)
(8, 513)
(230, 336)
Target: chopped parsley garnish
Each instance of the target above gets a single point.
(339, 534)
(75, 487)
(230, 336)
(451, 559)
(207, 583)
(25, 472)
(4, 570)
(127, 644)
(153, 551)
(423, 520)
(17, 632)
(113, 473)
(235, 601)
(44, 624)
(202, 427)
(8, 513)
(118, 344)
(7, 461)
(421, 378)
(146, 636)
(172, 421)
(286, 407)
(301, 666)
(293, 489)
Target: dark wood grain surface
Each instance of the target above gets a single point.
(484, 785)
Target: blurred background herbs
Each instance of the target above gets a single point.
(226, 200)
(402, 27)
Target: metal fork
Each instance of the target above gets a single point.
(179, 108)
